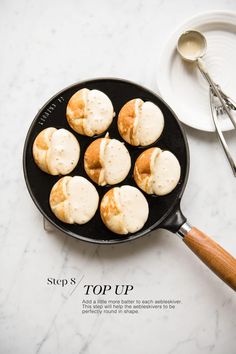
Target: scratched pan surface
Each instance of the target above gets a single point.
(53, 114)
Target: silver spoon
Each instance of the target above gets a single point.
(192, 46)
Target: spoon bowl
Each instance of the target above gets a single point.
(192, 45)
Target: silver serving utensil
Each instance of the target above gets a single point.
(192, 47)
(216, 111)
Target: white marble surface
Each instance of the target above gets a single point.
(45, 46)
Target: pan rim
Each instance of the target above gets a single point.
(123, 239)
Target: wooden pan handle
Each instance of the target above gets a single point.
(213, 255)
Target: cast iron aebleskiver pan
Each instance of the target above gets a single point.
(164, 211)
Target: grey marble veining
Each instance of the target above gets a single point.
(46, 46)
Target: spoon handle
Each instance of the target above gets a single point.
(202, 68)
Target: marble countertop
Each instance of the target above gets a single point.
(46, 46)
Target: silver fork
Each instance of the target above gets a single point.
(216, 111)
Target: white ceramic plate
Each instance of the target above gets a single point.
(182, 85)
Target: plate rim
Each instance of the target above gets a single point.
(161, 77)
